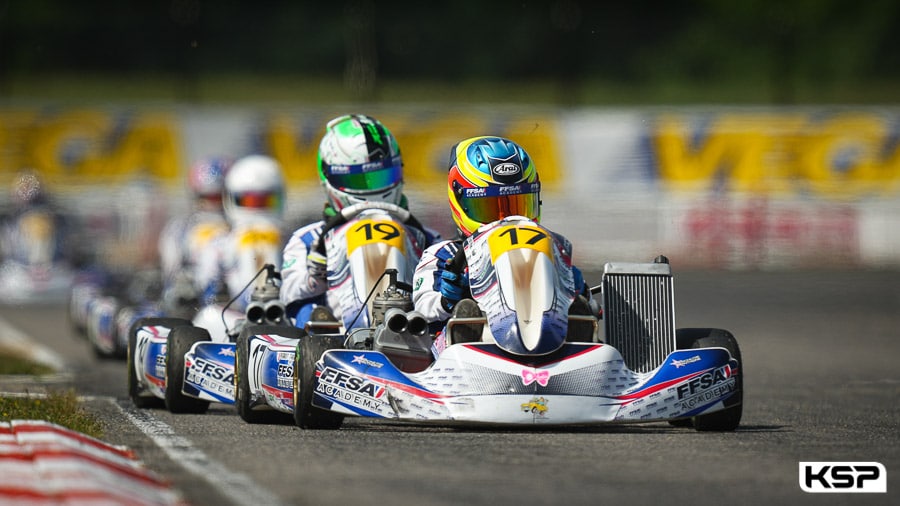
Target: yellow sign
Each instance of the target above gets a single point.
(90, 146)
(508, 237)
(362, 232)
(845, 155)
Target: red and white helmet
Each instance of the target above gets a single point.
(206, 179)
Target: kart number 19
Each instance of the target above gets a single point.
(374, 231)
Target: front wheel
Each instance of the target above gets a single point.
(134, 388)
(309, 350)
(178, 344)
(728, 418)
(242, 395)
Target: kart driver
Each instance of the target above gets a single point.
(252, 201)
(184, 236)
(36, 232)
(351, 142)
(439, 293)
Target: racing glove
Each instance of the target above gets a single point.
(453, 287)
(316, 265)
(581, 287)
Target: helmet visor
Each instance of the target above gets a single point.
(365, 177)
(492, 203)
(257, 200)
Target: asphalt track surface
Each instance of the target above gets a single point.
(822, 383)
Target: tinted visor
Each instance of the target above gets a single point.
(257, 200)
(365, 177)
(486, 205)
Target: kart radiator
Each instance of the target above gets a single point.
(639, 312)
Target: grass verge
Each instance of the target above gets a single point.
(12, 363)
(60, 407)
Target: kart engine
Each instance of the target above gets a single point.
(400, 333)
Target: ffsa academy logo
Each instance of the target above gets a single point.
(842, 477)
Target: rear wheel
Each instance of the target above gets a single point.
(134, 388)
(729, 418)
(242, 394)
(309, 350)
(178, 344)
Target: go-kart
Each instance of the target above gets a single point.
(360, 244)
(190, 363)
(530, 361)
(34, 267)
(102, 306)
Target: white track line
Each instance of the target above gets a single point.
(237, 487)
(16, 340)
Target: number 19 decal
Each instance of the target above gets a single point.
(511, 237)
(374, 231)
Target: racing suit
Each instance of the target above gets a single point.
(35, 236)
(181, 242)
(229, 262)
(427, 297)
(301, 292)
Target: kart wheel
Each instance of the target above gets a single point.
(729, 418)
(178, 344)
(133, 386)
(309, 351)
(242, 373)
(102, 315)
(75, 324)
(120, 339)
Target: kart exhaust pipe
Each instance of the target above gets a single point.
(396, 320)
(269, 312)
(256, 313)
(416, 324)
(412, 322)
(275, 312)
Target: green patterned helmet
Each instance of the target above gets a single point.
(359, 160)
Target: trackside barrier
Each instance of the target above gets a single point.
(44, 463)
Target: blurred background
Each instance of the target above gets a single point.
(754, 134)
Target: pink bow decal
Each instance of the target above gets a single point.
(529, 377)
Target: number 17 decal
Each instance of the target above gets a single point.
(512, 237)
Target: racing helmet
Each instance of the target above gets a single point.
(491, 178)
(359, 160)
(206, 179)
(254, 187)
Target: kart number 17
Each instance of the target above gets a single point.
(513, 237)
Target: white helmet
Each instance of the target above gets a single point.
(359, 160)
(254, 187)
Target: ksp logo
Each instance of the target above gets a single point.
(831, 477)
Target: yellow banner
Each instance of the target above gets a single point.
(842, 155)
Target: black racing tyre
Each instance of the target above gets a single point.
(729, 418)
(178, 344)
(120, 349)
(92, 329)
(309, 351)
(242, 378)
(77, 327)
(131, 354)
